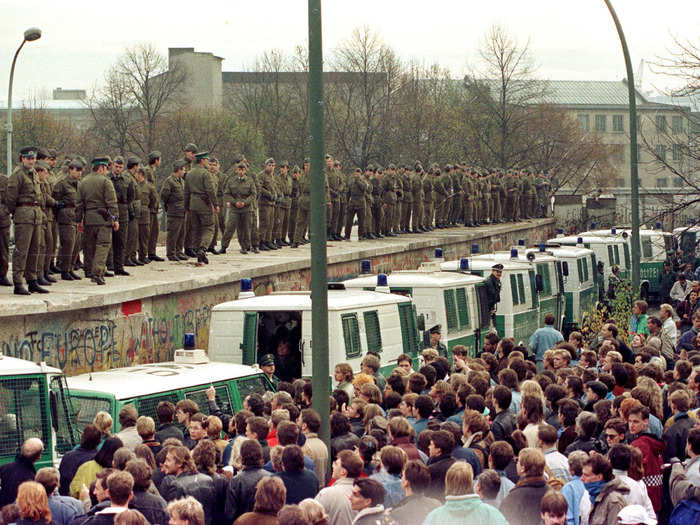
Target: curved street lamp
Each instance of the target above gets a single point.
(31, 34)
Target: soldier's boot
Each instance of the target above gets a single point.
(202, 256)
(98, 280)
(21, 290)
(4, 281)
(33, 286)
(66, 276)
(75, 276)
(48, 277)
(255, 249)
(53, 268)
(41, 281)
(154, 257)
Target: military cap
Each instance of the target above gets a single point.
(357, 170)
(270, 161)
(76, 164)
(191, 148)
(133, 159)
(267, 359)
(109, 159)
(498, 266)
(337, 163)
(41, 153)
(391, 166)
(370, 167)
(52, 153)
(437, 329)
(213, 160)
(99, 161)
(153, 155)
(296, 169)
(328, 156)
(284, 164)
(179, 164)
(66, 162)
(306, 160)
(29, 151)
(240, 165)
(118, 160)
(41, 165)
(201, 155)
(82, 159)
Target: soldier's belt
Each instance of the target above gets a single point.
(29, 204)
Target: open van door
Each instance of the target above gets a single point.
(249, 346)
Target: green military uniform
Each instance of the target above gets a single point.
(304, 203)
(531, 195)
(172, 196)
(294, 206)
(97, 209)
(496, 190)
(406, 201)
(125, 189)
(378, 206)
(149, 200)
(65, 193)
(511, 188)
(340, 203)
(468, 200)
(542, 191)
(216, 181)
(240, 194)
(357, 188)
(369, 219)
(154, 227)
(267, 196)
(284, 186)
(457, 213)
(45, 251)
(5, 223)
(428, 201)
(389, 200)
(23, 201)
(132, 237)
(190, 148)
(200, 196)
(254, 230)
(417, 209)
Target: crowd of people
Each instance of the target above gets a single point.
(109, 209)
(584, 433)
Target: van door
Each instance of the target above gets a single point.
(222, 397)
(533, 289)
(409, 329)
(62, 415)
(250, 336)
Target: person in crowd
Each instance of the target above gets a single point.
(543, 339)
(522, 504)
(651, 448)
(128, 433)
(240, 493)
(607, 494)
(120, 486)
(301, 483)
(415, 506)
(165, 412)
(71, 460)
(33, 505)
(186, 511)
(87, 472)
(620, 456)
(393, 460)
(63, 508)
(13, 474)
(151, 505)
(553, 508)
(366, 499)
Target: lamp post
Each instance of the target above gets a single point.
(634, 175)
(31, 34)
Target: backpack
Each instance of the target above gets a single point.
(687, 512)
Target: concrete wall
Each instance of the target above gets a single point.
(150, 327)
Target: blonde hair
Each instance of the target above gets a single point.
(532, 388)
(314, 511)
(187, 509)
(145, 427)
(459, 479)
(361, 379)
(103, 421)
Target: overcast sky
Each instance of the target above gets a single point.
(570, 39)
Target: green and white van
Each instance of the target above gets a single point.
(610, 251)
(517, 315)
(445, 298)
(687, 238)
(144, 386)
(579, 271)
(358, 321)
(34, 402)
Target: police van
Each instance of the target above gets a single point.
(188, 376)
(243, 330)
(687, 238)
(517, 314)
(610, 251)
(654, 248)
(448, 299)
(34, 402)
(579, 270)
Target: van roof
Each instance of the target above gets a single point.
(14, 366)
(681, 229)
(417, 279)
(568, 251)
(642, 231)
(522, 256)
(337, 300)
(590, 239)
(485, 262)
(142, 380)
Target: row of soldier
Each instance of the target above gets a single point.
(266, 210)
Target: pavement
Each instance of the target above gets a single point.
(160, 278)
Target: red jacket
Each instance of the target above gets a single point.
(651, 448)
(404, 443)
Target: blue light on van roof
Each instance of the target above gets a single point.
(613, 231)
(521, 242)
(475, 248)
(542, 247)
(514, 253)
(366, 266)
(246, 285)
(189, 339)
(438, 253)
(579, 240)
(658, 226)
(382, 280)
(464, 264)
(560, 230)
(593, 226)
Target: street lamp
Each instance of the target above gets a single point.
(31, 34)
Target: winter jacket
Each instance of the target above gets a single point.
(465, 510)
(345, 442)
(12, 475)
(467, 454)
(64, 509)
(573, 491)
(130, 437)
(522, 505)
(676, 437)
(392, 485)
(608, 503)
(413, 509)
(240, 493)
(86, 474)
(369, 516)
(503, 425)
(566, 438)
(438, 467)
(651, 448)
(680, 487)
(405, 444)
(105, 516)
(336, 501)
(168, 430)
(70, 463)
(153, 507)
(300, 485)
(638, 492)
(200, 486)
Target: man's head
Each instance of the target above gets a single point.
(177, 460)
(366, 493)
(553, 508)
(197, 427)
(348, 464)
(49, 478)
(441, 442)
(415, 478)
(186, 511)
(638, 419)
(120, 486)
(267, 364)
(530, 462)
(596, 468)
(32, 449)
(497, 270)
(459, 479)
(257, 428)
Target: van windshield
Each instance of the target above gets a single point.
(23, 412)
(252, 385)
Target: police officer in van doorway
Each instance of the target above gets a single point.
(435, 333)
(267, 365)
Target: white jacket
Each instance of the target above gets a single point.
(638, 492)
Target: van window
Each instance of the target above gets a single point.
(617, 254)
(409, 330)
(63, 416)
(646, 247)
(351, 335)
(24, 412)
(484, 313)
(87, 407)
(584, 265)
(463, 308)
(626, 253)
(579, 267)
(611, 257)
(543, 271)
(373, 334)
(521, 288)
(147, 406)
(252, 385)
(514, 289)
(451, 311)
(249, 344)
(223, 399)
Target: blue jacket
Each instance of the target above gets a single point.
(64, 509)
(686, 340)
(573, 491)
(392, 484)
(543, 339)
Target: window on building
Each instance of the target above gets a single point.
(618, 123)
(677, 152)
(677, 124)
(585, 122)
(677, 182)
(619, 153)
(660, 151)
(660, 123)
(600, 122)
(620, 182)
(662, 182)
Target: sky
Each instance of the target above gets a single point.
(569, 39)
